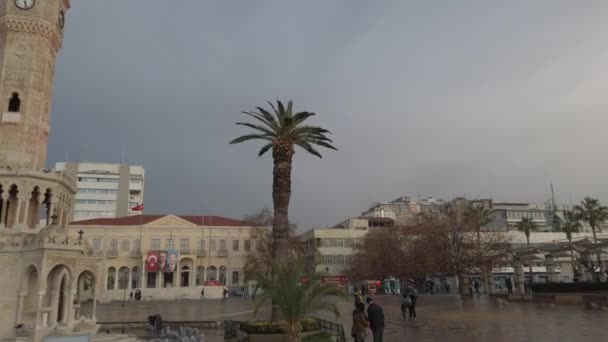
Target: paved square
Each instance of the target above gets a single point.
(440, 318)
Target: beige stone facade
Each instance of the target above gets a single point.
(210, 251)
(46, 271)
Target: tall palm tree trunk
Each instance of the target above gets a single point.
(281, 193)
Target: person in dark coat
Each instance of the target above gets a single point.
(375, 315)
(509, 285)
(360, 323)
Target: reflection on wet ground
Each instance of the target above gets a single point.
(440, 318)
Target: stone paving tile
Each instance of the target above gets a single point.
(440, 318)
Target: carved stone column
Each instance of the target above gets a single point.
(39, 322)
(26, 211)
(19, 315)
(18, 223)
(3, 212)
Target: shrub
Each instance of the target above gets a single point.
(569, 287)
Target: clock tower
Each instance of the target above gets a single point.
(31, 34)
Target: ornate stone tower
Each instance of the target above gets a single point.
(31, 34)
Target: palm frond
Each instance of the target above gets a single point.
(257, 127)
(270, 122)
(308, 148)
(264, 149)
(248, 137)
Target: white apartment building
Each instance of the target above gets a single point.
(105, 190)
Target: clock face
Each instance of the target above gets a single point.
(61, 19)
(25, 4)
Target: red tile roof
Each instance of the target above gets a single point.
(136, 220)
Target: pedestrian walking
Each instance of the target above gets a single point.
(131, 296)
(360, 323)
(509, 285)
(412, 294)
(137, 295)
(476, 287)
(363, 290)
(375, 315)
(470, 290)
(224, 294)
(203, 293)
(405, 305)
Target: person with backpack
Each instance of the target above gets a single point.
(412, 294)
(406, 302)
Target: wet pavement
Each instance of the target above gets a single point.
(440, 318)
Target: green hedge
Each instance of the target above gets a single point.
(569, 287)
(264, 327)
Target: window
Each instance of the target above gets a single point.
(170, 244)
(125, 245)
(235, 245)
(184, 245)
(235, 277)
(137, 245)
(212, 246)
(114, 245)
(111, 278)
(14, 104)
(97, 244)
(201, 245)
(222, 245)
(151, 280)
(155, 244)
(247, 245)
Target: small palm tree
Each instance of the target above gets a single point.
(591, 211)
(298, 293)
(526, 225)
(570, 225)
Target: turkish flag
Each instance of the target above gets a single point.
(139, 207)
(152, 261)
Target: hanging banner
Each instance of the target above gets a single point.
(152, 261)
(172, 263)
(162, 261)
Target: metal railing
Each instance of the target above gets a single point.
(185, 251)
(136, 253)
(112, 253)
(222, 253)
(202, 252)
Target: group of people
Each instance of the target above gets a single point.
(135, 296)
(374, 317)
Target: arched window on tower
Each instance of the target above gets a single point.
(14, 104)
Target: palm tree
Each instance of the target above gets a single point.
(570, 225)
(298, 292)
(281, 131)
(591, 211)
(477, 216)
(526, 225)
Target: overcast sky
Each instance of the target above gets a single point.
(437, 98)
